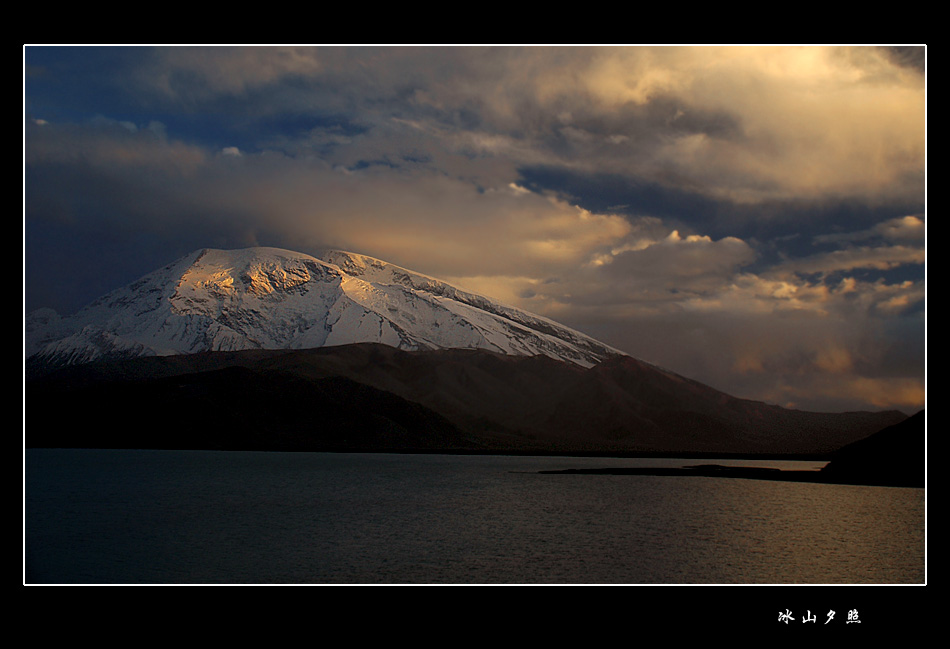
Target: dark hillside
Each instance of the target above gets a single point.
(371, 396)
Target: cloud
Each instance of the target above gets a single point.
(413, 215)
(105, 143)
(848, 259)
(468, 164)
(907, 228)
(193, 74)
(692, 304)
(879, 393)
(439, 225)
(797, 345)
(675, 258)
(740, 123)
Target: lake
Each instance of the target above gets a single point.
(193, 517)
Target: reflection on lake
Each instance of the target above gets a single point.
(241, 517)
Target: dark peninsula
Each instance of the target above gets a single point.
(892, 457)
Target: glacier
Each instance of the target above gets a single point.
(271, 298)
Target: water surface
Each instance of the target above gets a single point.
(95, 516)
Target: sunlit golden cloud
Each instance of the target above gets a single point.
(882, 258)
(743, 123)
(883, 393)
(424, 157)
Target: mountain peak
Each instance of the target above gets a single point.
(271, 298)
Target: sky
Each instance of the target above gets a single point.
(753, 218)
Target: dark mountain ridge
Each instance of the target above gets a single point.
(369, 396)
(895, 456)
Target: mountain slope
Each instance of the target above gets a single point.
(267, 348)
(229, 408)
(268, 298)
(462, 400)
(895, 455)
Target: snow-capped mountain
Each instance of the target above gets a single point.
(268, 298)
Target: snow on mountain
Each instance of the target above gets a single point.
(268, 298)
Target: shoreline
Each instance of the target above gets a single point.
(699, 470)
(746, 473)
(681, 455)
